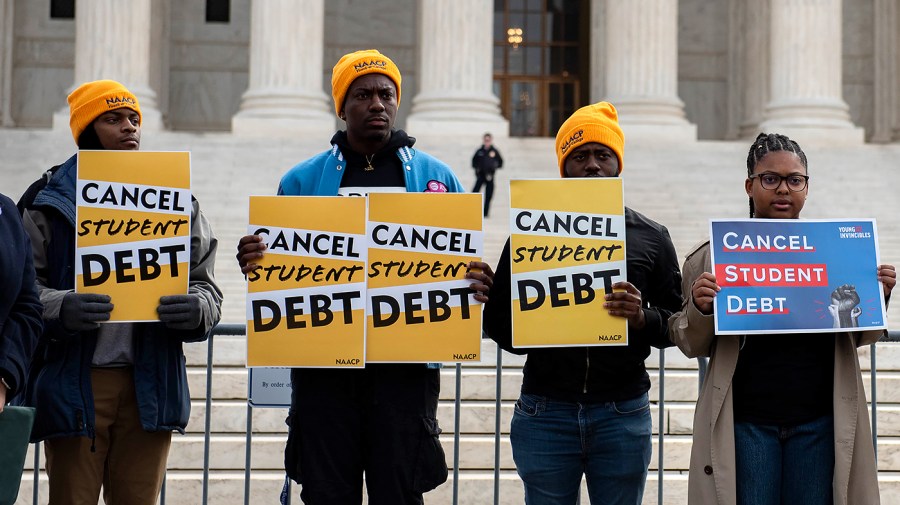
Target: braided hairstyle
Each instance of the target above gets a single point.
(766, 143)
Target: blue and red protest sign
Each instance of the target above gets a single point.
(793, 276)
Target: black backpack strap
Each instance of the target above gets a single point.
(31, 193)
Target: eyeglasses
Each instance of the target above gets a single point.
(770, 181)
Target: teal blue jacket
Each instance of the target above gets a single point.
(321, 175)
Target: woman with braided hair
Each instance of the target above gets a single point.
(778, 420)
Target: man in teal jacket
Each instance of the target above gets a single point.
(379, 420)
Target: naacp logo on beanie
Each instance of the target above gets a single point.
(574, 139)
(366, 65)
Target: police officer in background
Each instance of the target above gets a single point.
(486, 161)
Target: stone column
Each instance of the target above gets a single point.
(456, 71)
(752, 75)
(6, 57)
(598, 50)
(806, 84)
(284, 96)
(114, 42)
(886, 84)
(641, 70)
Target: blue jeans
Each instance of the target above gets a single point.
(555, 443)
(785, 464)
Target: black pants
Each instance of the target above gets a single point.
(379, 420)
(488, 181)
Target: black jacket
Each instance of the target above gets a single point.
(20, 307)
(486, 161)
(600, 374)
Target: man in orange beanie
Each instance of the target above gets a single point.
(585, 411)
(381, 420)
(108, 396)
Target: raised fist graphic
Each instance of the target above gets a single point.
(844, 307)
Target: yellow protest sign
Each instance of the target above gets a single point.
(133, 228)
(420, 307)
(306, 301)
(567, 248)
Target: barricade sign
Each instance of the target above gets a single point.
(269, 387)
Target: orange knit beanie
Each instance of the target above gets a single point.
(91, 99)
(358, 64)
(597, 122)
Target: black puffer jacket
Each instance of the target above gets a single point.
(600, 374)
(20, 308)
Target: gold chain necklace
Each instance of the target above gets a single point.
(369, 159)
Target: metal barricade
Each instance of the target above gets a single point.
(240, 329)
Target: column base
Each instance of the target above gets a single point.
(817, 134)
(457, 114)
(658, 133)
(656, 119)
(274, 113)
(422, 126)
(275, 123)
(822, 122)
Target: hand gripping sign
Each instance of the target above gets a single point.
(133, 228)
(567, 249)
(420, 307)
(306, 301)
(793, 276)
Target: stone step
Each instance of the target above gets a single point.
(231, 350)
(230, 383)
(476, 384)
(475, 487)
(476, 452)
(222, 182)
(230, 417)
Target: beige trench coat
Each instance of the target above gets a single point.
(712, 473)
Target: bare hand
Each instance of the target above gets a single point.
(703, 292)
(887, 275)
(249, 250)
(626, 304)
(2, 396)
(483, 275)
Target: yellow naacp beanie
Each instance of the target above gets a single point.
(91, 99)
(358, 64)
(597, 122)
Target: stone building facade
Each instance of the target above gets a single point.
(678, 69)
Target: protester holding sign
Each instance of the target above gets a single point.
(585, 410)
(781, 418)
(378, 420)
(108, 396)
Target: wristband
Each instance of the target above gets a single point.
(5, 384)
